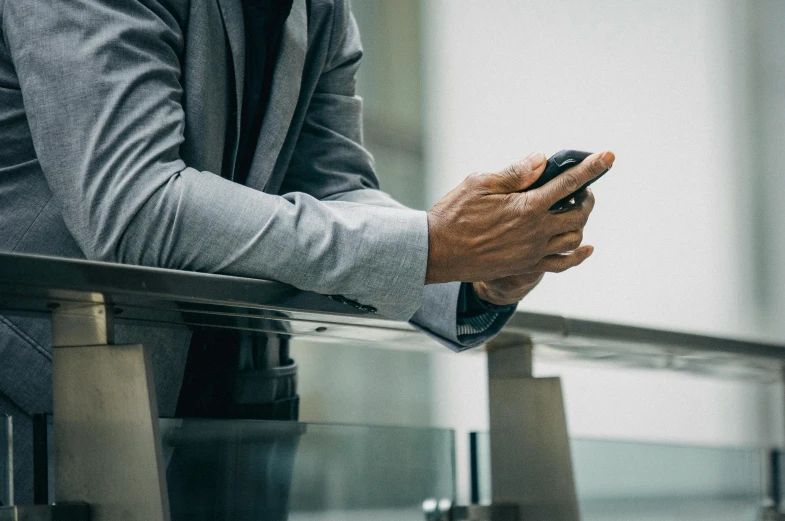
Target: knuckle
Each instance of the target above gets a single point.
(588, 206)
(577, 221)
(570, 182)
(589, 197)
(509, 285)
(578, 218)
(509, 173)
(586, 199)
(508, 178)
(527, 202)
(474, 178)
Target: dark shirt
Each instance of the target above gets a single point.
(216, 357)
(264, 22)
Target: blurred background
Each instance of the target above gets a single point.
(688, 227)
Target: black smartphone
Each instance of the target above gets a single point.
(557, 164)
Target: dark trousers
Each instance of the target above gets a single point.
(235, 470)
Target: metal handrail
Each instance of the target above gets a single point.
(173, 298)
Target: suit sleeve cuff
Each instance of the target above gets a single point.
(392, 263)
(439, 317)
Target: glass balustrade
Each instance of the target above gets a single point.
(240, 469)
(633, 481)
(247, 469)
(222, 470)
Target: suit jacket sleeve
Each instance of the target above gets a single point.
(101, 86)
(331, 164)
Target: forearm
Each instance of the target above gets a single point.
(201, 222)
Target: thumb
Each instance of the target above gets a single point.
(518, 176)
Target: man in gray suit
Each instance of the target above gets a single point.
(129, 133)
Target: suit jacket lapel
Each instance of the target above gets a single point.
(284, 94)
(232, 13)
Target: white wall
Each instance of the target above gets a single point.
(659, 83)
(652, 81)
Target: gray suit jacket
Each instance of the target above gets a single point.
(115, 119)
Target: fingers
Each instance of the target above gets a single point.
(565, 242)
(507, 290)
(563, 261)
(576, 216)
(516, 177)
(582, 198)
(573, 179)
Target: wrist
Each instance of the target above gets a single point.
(435, 271)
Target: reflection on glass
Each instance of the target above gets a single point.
(630, 481)
(6, 457)
(263, 470)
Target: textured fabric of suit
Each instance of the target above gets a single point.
(102, 96)
(116, 121)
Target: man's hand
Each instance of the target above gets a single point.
(513, 289)
(491, 228)
(509, 290)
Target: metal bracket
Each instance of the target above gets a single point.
(107, 446)
(77, 323)
(531, 465)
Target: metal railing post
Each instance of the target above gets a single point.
(531, 465)
(107, 447)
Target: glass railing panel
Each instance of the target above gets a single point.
(6, 461)
(641, 481)
(633, 481)
(238, 470)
